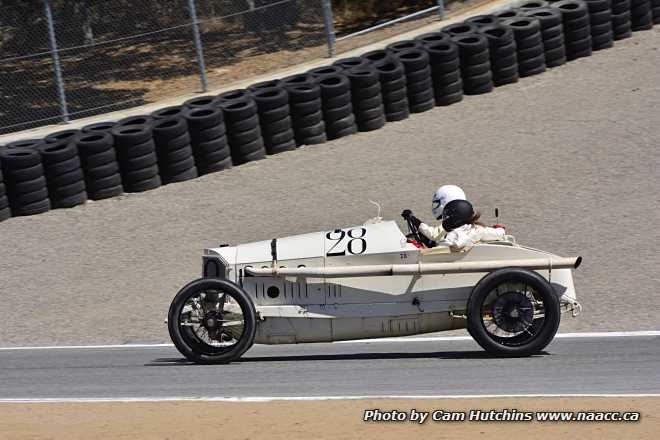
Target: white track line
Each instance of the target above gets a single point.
(316, 398)
(644, 333)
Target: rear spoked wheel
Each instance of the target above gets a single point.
(212, 321)
(513, 312)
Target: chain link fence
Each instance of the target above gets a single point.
(68, 59)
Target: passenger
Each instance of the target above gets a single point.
(441, 197)
(463, 227)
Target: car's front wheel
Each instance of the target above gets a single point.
(513, 312)
(212, 321)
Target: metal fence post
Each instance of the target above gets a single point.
(441, 8)
(59, 80)
(198, 45)
(329, 22)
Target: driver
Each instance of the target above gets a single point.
(441, 197)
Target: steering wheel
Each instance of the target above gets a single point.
(414, 232)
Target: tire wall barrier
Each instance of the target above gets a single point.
(552, 33)
(136, 154)
(529, 45)
(243, 129)
(211, 133)
(96, 149)
(366, 97)
(306, 109)
(25, 181)
(337, 105)
(621, 24)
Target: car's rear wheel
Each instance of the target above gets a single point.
(212, 321)
(513, 312)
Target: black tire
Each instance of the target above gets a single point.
(362, 77)
(319, 72)
(352, 62)
(307, 120)
(270, 98)
(61, 136)
(413, 59)
(602, 41)
(470, 45)
(544, 331)
(478, 88)
(235, 95)
(312, 140)
(371, 124)
(448, 99)
(266, 85)
(529, 41)
(168, 112)
(442, 79)
(289, 145)
(603, 28)
(403, 45)
(375, 56)
(133, 121)
(549, 17)
(460, 29)
(601, 17)
(368, 103)
(201, 102)
(397, 116)
(476, 69)
(572, 9)
(442, 52)
(339, 100)
(483, 20)
(433, 38)
(99, 127)
(337, 113)
(420, 86)
(450, 89)
(577, 34)
(504, 80)
(524, 27)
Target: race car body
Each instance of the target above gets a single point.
(373, 281)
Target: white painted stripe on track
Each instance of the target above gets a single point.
(316, 398)
(642, 333)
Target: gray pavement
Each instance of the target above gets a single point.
(570, 157)
(626, 365)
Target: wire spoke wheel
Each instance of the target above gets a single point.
(513, 312)
(212, 321)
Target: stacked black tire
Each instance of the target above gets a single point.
(306, 109)
(503, 53)
(136, 154)
(600, 20)
(5, 211)
(475, 63)
(445, 71)
(621, 24)
(98, 159)
(577, 28)
(552, 32)
(366, 98)
(24, 180)
(64, 174)
(529, 45)
(275, 119)
(337, 105)
(208, 138)
(243, 129)
(176, 162)
(419, 83)
(641, 15)
(392, 78)
(655, 11)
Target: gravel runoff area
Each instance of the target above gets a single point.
(570, 157)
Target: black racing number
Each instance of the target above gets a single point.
(353, 248)
(342, 234)
(360, 239)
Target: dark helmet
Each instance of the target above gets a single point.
(456, 214)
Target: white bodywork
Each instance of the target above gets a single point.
(304, 308)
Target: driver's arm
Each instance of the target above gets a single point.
(435, 233)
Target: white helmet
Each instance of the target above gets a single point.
(444, 195)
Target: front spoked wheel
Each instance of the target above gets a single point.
(212, 321)
(513, 312)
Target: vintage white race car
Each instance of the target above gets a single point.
(370, 281)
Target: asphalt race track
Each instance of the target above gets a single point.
(594, 365)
